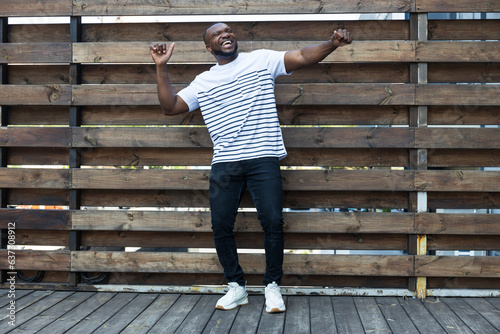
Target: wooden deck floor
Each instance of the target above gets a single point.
(55, 312)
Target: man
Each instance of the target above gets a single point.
(236, 98)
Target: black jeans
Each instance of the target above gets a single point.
(228, 183)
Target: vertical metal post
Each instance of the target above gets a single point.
(4, 78)
(74, 153)
(417, 244)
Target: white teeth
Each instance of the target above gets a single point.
(226, 43)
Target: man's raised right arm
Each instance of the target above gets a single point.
(170, 102)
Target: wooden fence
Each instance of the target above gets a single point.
(394, 122)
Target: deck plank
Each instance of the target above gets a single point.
(474, 320)
(77, 314)
(494, 301)
(148, 318)
(95, 320)
(420, 316)
(45, 312)
(59, 310)
(171, 319)
(450, 322)
(371, 317)
(127, 314)
(322, 317)
(248, 316)
(201, 313)
(298, 315)
(346, 315)
(19, 295)
(395, 315)
(486, 309)
(34, 309)
(221, 321)
(272, 323)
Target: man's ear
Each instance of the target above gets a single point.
(209, 49)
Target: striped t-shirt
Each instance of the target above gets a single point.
(238, 106)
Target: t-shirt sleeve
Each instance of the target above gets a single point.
(276, 63)
(189, 95)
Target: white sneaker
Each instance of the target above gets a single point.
(235, 296)
(274, 301)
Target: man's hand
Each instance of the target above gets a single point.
(341, 38)
(160, 54)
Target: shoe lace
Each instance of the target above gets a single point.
(273, 290)
(231, 289)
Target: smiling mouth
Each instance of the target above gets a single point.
(227, 43)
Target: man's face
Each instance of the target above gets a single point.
(221, 41)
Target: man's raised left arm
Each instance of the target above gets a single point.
(313, 54)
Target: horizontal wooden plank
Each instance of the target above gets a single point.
(348, 180)
(463, 138)
(463, 29)
(287, 280)
(463, 115)
(39, 33)
(185, 73)
(467, 6)
(38, 196)
(457, 266)
(236, 7)
(38, 156)
(35, 219)
(288, 115)
(286, 94)
(27, 74)
(456, 242)
(194, 52)
(294, 137)
(463, 200)
(35, 137)
(437, 51)
(35, 94)
(246, 31)
(147, 156)
(303, 180)
(466, 72)
(37, 260)
(36, 8)
(177, 137)
(463, 158)
(35, 53)
(460, 95)
(447, 223)
(165, 241)
(199, 198)
(295, 222)
(462, 283)
(324, 157)
(42, 237)
(140, 179)
(38, 115)
(32, 178)
(365, 265)
(457, 180)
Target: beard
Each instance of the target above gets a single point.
(220, 53)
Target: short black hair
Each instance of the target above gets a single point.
(205, 33)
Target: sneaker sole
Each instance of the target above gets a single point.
(275, 310)
(220, 307)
